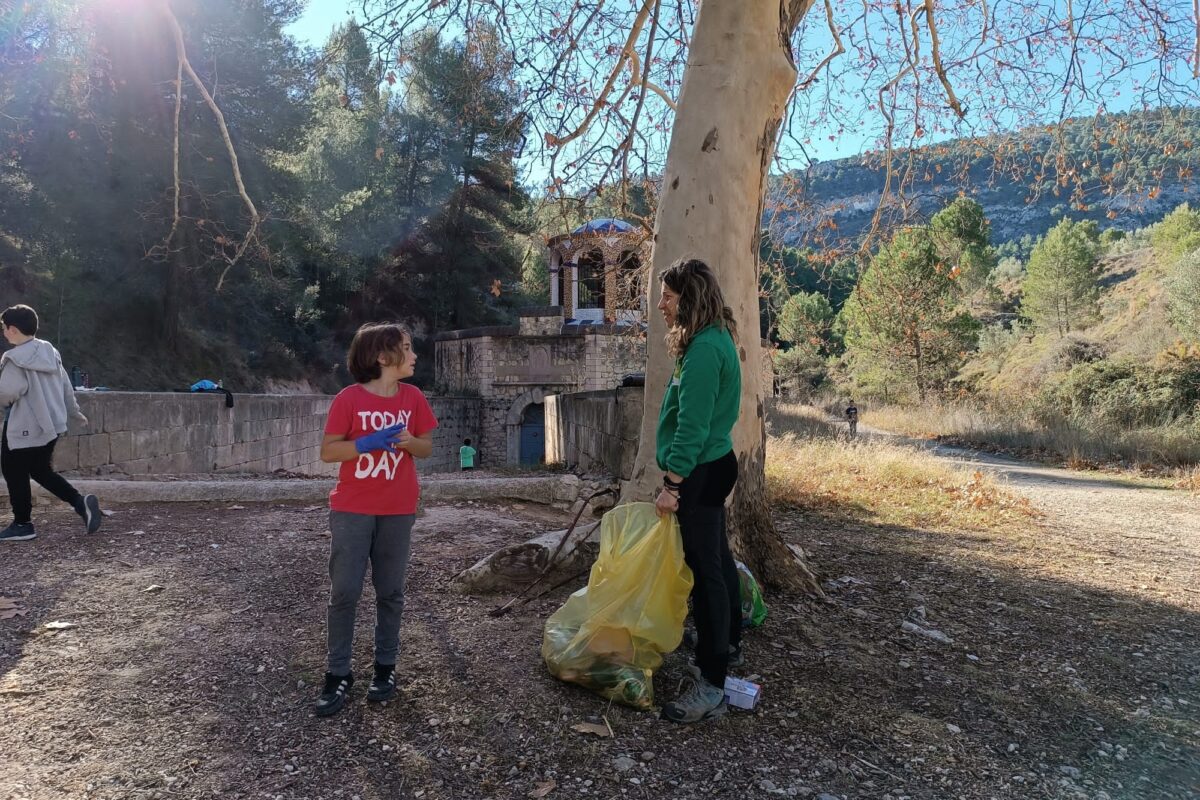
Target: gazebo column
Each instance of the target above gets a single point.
(610, 289)
(555, 266)
(574, 289)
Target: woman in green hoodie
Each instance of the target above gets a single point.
(695, 450)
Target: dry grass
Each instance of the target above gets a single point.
(875, 481)
(801, 421)
(1188, 479)
(1080, 444)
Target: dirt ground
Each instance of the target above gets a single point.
(1073, 670)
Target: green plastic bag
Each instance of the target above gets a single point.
(611, 635)
(754, 608)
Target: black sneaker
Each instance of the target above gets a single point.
(92, 517)
(333, 696)
(383, 686)
(18, 532)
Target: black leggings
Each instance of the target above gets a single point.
(37, 463)
(716, 596)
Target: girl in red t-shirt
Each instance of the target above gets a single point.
(375, 429)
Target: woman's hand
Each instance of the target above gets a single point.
(667, 502)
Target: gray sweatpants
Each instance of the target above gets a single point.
(385, 541)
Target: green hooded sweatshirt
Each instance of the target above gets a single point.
(701, 404)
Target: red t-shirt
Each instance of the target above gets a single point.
(378, 482)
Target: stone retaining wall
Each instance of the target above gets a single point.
(592, 431)
(139, 433)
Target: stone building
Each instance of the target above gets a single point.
(589, 339)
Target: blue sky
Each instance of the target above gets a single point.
(319, 18)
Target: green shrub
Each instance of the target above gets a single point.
(1127, 394)
(1176, 234)
(1075, 348)
(1183, 293)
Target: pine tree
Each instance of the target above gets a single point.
(1061, 290)
(457, 138)
(902, 320)
(805, 319)
(962, 236)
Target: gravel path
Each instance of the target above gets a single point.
(1092, 502)
(1149, 531)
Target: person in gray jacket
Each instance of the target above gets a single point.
(38, 399)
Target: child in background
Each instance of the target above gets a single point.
(35, 385)
(466, 456)
(375, 429)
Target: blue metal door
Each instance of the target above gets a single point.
(533, 434)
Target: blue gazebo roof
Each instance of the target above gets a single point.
(604, 226)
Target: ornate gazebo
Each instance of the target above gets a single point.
(596, 271)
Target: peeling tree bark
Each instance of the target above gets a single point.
(736, 86)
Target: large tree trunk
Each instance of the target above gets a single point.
(735, 91)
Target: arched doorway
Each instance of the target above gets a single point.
(525, 428)
(533, 434)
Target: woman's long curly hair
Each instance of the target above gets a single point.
(700, 303)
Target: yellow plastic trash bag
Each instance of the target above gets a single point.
(611, 635)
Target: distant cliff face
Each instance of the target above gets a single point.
(1132, 170)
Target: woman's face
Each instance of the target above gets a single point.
(668, 304)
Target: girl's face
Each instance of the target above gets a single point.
(668, 304)
(403, 362)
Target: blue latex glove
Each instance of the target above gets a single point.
(385, 439)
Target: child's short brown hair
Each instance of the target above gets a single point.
(21, 317)
(371, 341)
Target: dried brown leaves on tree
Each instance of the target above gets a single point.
(896, 81)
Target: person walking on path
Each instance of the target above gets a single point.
(38, 399)
(694, 448)
(375, 429)
(852, 418)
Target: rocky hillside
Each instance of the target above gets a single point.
(1123, 171)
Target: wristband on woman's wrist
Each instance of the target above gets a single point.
(670, 484)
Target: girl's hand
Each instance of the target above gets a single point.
(403, 440)
(385, 439)
(666, 503)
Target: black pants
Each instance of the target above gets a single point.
(37, 463)
(716, 596)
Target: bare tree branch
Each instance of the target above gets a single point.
(602, 97)
(937, 59)
(1196, 49)
(184, 65)
(175, 150)
(837, 50)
